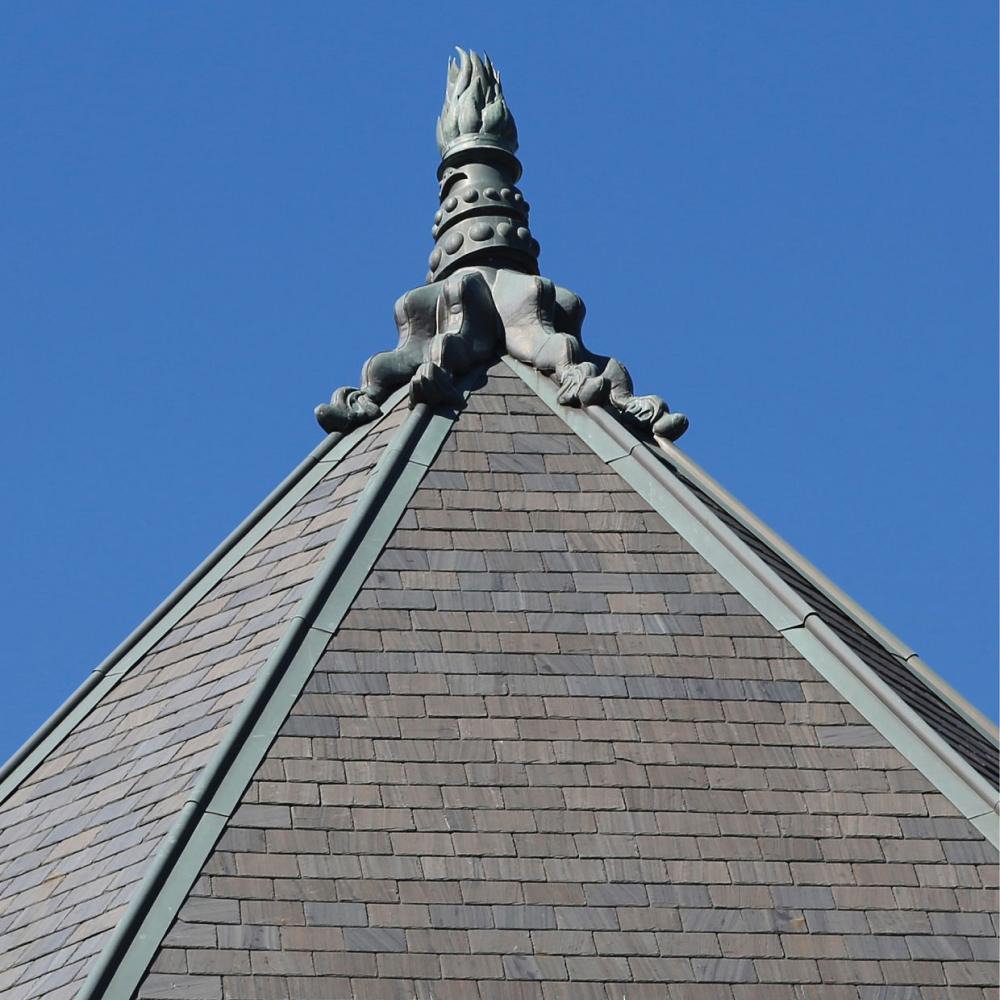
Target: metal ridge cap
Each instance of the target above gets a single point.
(155, 617)
(200, 572)
(24, 751)
(126, 955)
(811, 620)
(623, 452)
(891, 642)
(953, 775)
(343, 548)
(764, 576)
(712, 486)
(984, 797)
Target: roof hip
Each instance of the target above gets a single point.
(127, 654)
(646, 467)
(126, 955)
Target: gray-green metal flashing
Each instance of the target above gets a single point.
(683, 511)
(946, 769)
(123, 961)
(891, 642)
(635, 462)
(198, 583)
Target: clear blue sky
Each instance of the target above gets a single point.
(782, 217)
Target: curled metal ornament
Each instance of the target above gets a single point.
(484, 294)
(448, 327)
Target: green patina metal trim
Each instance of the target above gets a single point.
(891, 642)
(200, 837)
(988, 825)
(397, 475)
(725, 499)
(130, 651)
(780, 605)
(252, 731)
(947, 770)
(684, 512)
(775, 600)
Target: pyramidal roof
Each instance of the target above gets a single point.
(499, 695)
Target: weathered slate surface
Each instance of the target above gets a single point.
(552, 754)
(973, 745)
(77, 836)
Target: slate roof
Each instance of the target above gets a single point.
(968, 740)
(545, 749)
(77, 834)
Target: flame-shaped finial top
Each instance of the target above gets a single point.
(475, 112)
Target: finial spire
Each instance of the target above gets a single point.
(475, 112)
(483, 292)
(483, 217)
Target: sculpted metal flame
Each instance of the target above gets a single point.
(483, 294)
(474, 106)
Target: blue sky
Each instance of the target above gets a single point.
(782, 217)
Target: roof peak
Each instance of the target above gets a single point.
(483, 294)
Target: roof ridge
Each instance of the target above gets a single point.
(684, 501)
(892, 643)
(120, 661)
(647, 472)
(397, 474)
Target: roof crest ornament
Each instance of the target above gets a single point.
(474, 112)
(483, 293)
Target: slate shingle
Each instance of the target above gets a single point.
(88, 821)
(550, 753)
(614, 773)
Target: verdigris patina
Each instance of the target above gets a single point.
(483, 293)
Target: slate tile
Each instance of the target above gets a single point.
(184, 987)
(274, 912)
(586, 918)
(957, 974)
(524, 917)
(169, 960)
(521, 462)
(840, 921)
(804, 897)
(967, 852)
(604, 969)
(377, 939)
(960, 924)
(437, 942)
(521, 967)
(461, 917)
(475, 967)
(210, 911)
(398, 914)
(520, 602)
